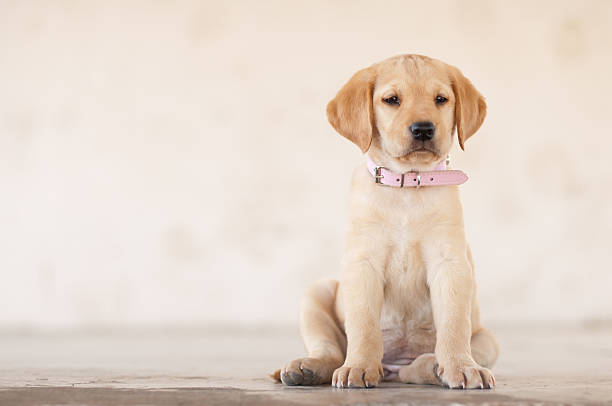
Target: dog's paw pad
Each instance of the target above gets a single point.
(292, 378)
(307, 371)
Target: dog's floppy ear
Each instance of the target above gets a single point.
(351, 112)
(470, 106)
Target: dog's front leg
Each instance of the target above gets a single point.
(362, 296)
(451, 283)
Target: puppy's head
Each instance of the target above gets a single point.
(406, 108)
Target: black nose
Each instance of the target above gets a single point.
(422, 130)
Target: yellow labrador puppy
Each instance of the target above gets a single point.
(406, 305)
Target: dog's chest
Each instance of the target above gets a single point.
(406, 320)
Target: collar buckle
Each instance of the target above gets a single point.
(378, 174)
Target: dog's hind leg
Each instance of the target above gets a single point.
(485, 349)
(323, 337)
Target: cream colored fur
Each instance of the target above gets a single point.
(407, 294)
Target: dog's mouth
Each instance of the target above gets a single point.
(418, 154)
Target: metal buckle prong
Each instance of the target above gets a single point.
(402, 182)
(418, 180)
(378, 174)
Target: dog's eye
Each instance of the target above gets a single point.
(393, 101)
(441, 99)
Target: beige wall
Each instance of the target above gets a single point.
(171, 161)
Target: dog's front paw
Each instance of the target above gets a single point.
(465, 374)
(359, 376)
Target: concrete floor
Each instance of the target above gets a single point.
(217, 366)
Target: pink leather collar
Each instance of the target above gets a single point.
(440, 176)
